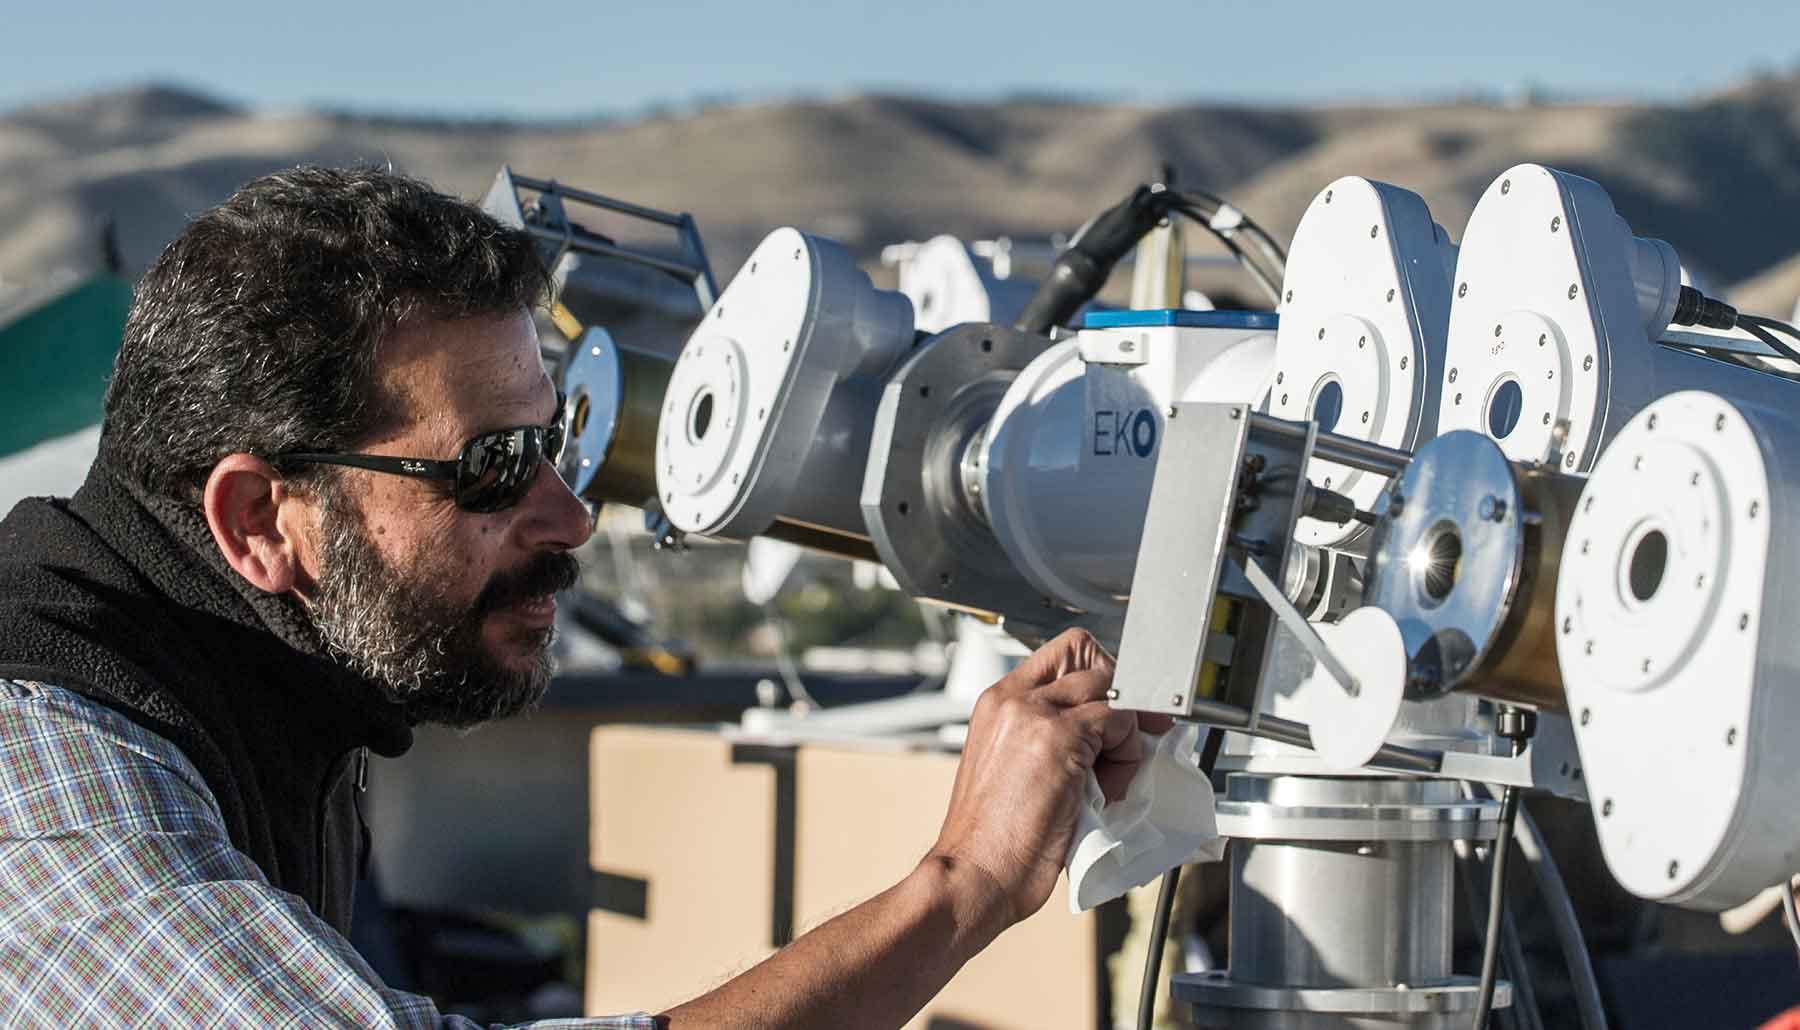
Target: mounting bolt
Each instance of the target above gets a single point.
(1586, 714)
(1573, 290)
(1606, 807)
(1177, 700)
(1453, 375)
(1169, 412)
(1505, 186)
(1462, 290)
(1556, 223)
(1112, 694)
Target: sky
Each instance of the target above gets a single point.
(555, 59)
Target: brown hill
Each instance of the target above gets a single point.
(1719, 178)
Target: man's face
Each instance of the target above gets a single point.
(452, 610)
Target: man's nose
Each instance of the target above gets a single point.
(553, 517)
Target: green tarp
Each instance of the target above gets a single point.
(56, 357)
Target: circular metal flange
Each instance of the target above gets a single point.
(1217, 990)
(703, 417)
(1351, 382)
(1446, 557)
(594, 389)
(926, 526)
(1313, 808)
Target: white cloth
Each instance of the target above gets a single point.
(1165, 819)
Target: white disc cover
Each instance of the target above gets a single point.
(1346, 730)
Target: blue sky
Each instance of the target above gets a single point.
(553, 58)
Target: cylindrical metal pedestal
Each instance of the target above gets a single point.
(1341, 905)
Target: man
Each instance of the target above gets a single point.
(320, 517)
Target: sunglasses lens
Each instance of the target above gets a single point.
(497, 468)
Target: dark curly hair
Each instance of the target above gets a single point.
(259, 328)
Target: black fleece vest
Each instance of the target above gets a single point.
(125, 600)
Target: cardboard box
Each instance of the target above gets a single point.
(708, 854)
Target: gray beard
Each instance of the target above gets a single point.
(391, 624)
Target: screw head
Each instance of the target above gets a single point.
(1556, 223)
(1505, 186)
(1650, 423)
(1546, 418)
(1755, 506)
(1390, 295)
(1568, 624)
(1606, 807)
(1744, 620)
(1112, 693)
(1573, 290)
(1496, 330)
(1585, 713)
(1290, 295)
(1731, 737)
(1284, 398)
(1674, 867)
(1321, 332)
(1373, 230)
(1543, 338)
(1587, 363)
(1569, 460)
(1177, 700)
(1462, 290)
(1361, 341)
(1402, 361)
(1453, 375)
(1280, 377)
(1365, 418)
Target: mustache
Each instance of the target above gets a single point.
(549, 573)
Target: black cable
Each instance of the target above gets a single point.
(1165, 905)
(1490, 948)
(1761, 327)
(1268, 267)
(1159, 931)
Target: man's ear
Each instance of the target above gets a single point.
(244, 504)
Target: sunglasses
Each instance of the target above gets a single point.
(492, 472)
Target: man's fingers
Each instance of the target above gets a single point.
(1113, 732)
(1077, 688)
(1071, 651)
(1155, 724)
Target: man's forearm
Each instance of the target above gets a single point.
(873, 966)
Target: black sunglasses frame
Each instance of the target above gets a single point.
(542, 444)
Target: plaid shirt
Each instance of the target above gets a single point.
(123, 903)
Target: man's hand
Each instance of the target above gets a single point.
(1034, 736)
